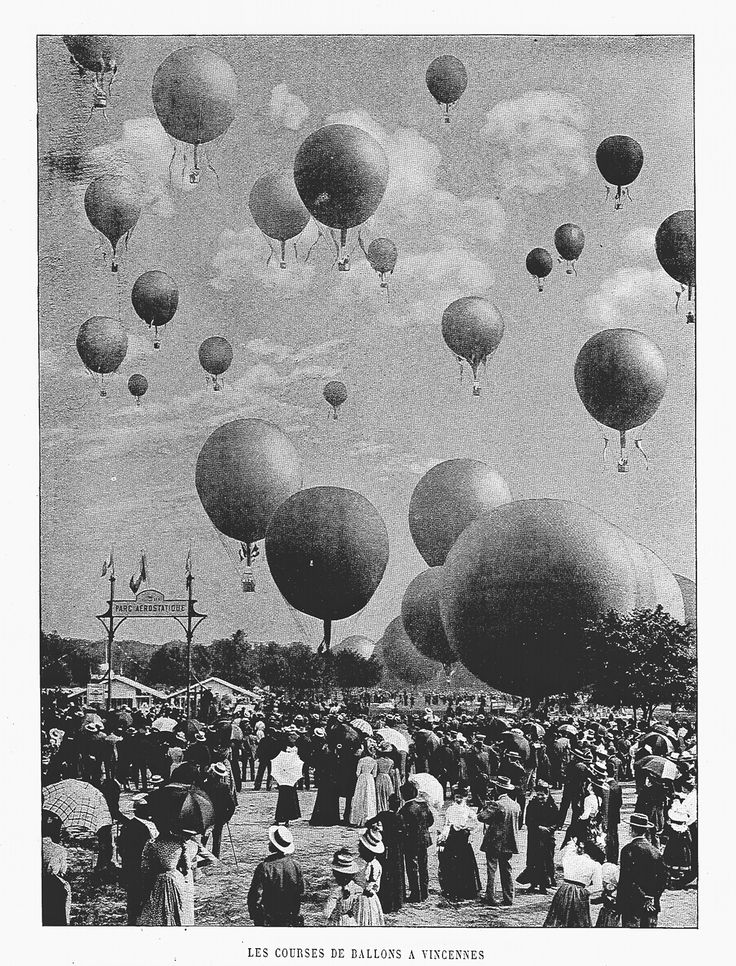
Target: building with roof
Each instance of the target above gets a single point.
(125, 691)
(224, 692)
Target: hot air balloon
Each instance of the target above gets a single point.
(102, 345)
(195, 95)
(335, 393)
(675, 247)
(569, 241)
(539, 264)
(382, 255)
(402, 660)
(420, 611)
(113, 208)
(473, 328)
(519, 586)
(657, 585)
(447, 80)
(137, 387)
(362, 646)
(689, 598)
(245, 470)
(98, 55)
(619, 159)
(215, 356)
(327, 549)
(621, 377)
(155, 299)
(278, 210)
(447, 499)
(341, 173)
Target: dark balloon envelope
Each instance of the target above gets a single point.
(113, 207)
(420, 611)
(447, 499)
(155, 299)
(539, 264)
(472, 328)
(215, 357)
(519, 586)
(327, 549)
(619, 159)
(401, 659)
(447, 80)
(245, 470)
(362, 646)
(137, 385)
(569, 242)
(382, 255)
(675, 247)
(102, 344)
(335, 394)
(195, 95)
(277, 208)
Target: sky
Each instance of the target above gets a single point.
(464, 204)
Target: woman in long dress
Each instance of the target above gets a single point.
(678, 847)
(392, 891)
(458, 869)
(327, 804)
(387, 782)
(368, 911)
(287, 803)
(167, 865)
(609, 915)
(582, 878)
(339, 910)
(363, 805)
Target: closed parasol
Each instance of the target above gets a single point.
(429, 789)
(286, 768)
(394, 737)
(361, 725)
(79, 805)
(183, 807)
(164, 724)
(658, 766)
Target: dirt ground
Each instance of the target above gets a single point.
(221, 890)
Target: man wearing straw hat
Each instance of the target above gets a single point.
(500, 841)
(276, 892)
(642, 877)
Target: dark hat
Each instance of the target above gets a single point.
(542, 785)
(582, 754)
(460, 789)
(638, 820)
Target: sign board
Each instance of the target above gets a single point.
(97, 692)
(150, 603)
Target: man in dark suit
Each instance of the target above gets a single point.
(478, 768)
(276, 891)
(134, 834)
(613, 819)
(418, 820)
(500, 841)
(576, 775)
(642, 877)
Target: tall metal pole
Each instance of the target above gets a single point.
(190, 634)
(110, 638)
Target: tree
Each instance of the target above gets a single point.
(350, 670)
(233, 659)
(168, 666)
(63, 662)
(273, 667)
(639, 661)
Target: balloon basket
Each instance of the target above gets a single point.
(568, 271)
(282, 264)
(623, 466)
(476, 390)
(447, 119)
(156, 345)
(249, 585)
(217, 387)
(103, 392)
(343, 266)
(114, 268)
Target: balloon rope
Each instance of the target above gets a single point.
(212, 168)
(637, 444)
(173, 155)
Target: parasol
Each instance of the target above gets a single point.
(191, 727)
(429, 789)
(93, 718)
(286, 768)
(658, 743)
(567, 729)
(182, 807)
(79, 805)
(361, 725)
(395, 738)
(658, 766)
(534, 730)
(164, 724)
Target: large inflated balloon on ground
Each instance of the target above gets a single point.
(102, 345)
(519, 586)
(569, 242)
(113, 207)
(327, 549)
(687, 588)
(657, 585)
(447, 79)
(539, 264)
(675, 247)
(621, 377)
(402, 660)
(341, 173)
(447, 499)
(215, 357)
(362, 646)
(420, 611)
(619, 159)
(155, 299)
(277, 208)
(473, 328)
(195, 95)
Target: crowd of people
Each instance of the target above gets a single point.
(387, 773)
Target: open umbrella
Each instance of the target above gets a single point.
(534, 730)
(191, 727)
(164, 724)
(93, 718)
(567, 729)
(361, 725)
(286, 768)
(657, 743)
(182, 807)
(79, 805)
(658, 766)
(429, 789)
(394, 737)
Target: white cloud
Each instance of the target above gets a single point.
(286, 109)
(630, 294)
(539, 139)
(243, 257)
(640, 241)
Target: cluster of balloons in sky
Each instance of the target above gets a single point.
(510, 582)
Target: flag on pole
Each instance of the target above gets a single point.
(108, 566)
(140, 576)
(188, 565)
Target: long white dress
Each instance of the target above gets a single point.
(363, 805)
(367, 909)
